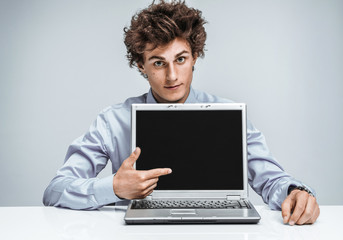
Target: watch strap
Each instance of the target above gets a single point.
(301, 188)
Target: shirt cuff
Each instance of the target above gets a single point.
(103, 191)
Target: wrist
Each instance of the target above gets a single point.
(115, 187)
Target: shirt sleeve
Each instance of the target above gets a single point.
(75, 185)
(265, 174)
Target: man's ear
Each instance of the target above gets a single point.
(141, 68)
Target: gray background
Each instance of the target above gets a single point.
(61, 62)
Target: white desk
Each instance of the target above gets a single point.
(107, 223)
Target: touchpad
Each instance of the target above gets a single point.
(182, 211)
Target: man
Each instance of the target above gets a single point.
(163, 42)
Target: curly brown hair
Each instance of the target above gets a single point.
(161, 23)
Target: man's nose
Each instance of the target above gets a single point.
(171, 73)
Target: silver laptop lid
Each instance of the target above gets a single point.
(204, 145)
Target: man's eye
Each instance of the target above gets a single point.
(158, 64)
(180, 59)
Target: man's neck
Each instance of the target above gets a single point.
(182, 100)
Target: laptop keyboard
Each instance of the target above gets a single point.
(215, 204)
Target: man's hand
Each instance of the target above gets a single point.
(300, 208)
(129, 183)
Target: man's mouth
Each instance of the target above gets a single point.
(174, 87)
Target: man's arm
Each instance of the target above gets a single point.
(268, 179)
(75, 184)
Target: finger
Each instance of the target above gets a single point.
(149, 190)
(287, 207)
(315, 215)
(300, 206)
(148, 194)
(308, 212)
(133, 157)
(157, 172)
(148, 183)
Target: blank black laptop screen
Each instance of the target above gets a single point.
(204, 149)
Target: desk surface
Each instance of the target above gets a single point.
(107, 223)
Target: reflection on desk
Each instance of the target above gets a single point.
(107, 223)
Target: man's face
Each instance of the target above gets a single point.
(169, 70)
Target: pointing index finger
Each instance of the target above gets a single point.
(157, 172)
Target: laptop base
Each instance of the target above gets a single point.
(192, 216)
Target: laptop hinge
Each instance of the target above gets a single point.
(228, 197)
(233, 197)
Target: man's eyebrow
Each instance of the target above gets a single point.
(179, 54)
(156, 57)
(162, 58)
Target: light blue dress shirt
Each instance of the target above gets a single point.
(76, 184)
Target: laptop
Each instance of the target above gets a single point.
(205, 146)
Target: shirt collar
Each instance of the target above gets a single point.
(190, 99)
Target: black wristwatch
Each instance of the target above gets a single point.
(301, 188)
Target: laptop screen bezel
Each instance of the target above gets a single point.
(161, 194)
